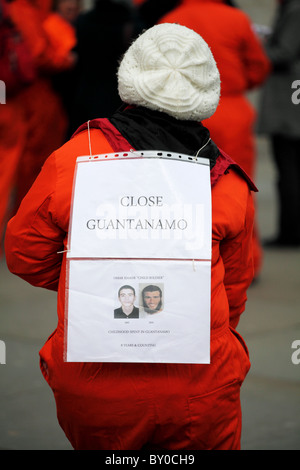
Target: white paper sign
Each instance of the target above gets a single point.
(174, 330)
(141, 208)
(139, 262)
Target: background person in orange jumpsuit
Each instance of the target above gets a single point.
(243, 65)
(45, 117)
(131, 406)
(33, 121)
(12, 122)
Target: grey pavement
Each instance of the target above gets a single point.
(270, 324)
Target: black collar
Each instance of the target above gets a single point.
(145, 129)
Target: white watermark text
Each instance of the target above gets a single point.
(2, 352)
(296, 353)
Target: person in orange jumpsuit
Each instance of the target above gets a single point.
(33, 120)
(46, 121)
(134, 406)
(14, 75)
(243, 66)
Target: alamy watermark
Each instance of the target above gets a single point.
(296, 94)
(296, 353)
(2, 352)
(2, 92)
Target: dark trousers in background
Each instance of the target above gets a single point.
(286, 152)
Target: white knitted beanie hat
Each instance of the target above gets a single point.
(170, 68)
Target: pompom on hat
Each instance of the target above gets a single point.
(170, 68)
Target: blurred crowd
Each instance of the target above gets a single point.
(58, 60)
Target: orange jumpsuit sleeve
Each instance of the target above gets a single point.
(33, 237)
(232, 253)
(237, 256)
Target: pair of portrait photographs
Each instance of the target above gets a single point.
(134, 303)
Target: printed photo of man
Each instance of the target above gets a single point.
(126, 296)
(152, 299)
